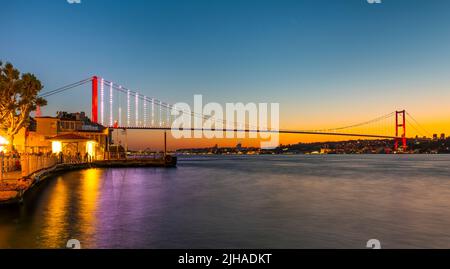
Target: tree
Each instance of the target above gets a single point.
(18, 98)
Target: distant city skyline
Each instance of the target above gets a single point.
(328, 63)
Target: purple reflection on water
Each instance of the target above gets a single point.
(242, 202)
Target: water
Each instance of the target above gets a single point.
(242, 202)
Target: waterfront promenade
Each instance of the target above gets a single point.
(34, 169)
(18, 173)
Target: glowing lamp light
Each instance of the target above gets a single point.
(90, 148)
(56, 147)
(153, 111)
(3, 143)
(137, 110)
(102, 101)
(128, 108)
(111, 104)
(145, 111)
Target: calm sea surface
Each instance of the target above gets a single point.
(242, 202)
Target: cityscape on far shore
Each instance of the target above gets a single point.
(437, 145)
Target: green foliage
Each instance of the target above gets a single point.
(19, 96)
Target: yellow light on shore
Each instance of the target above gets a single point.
(3, 143)
(56, 147)
(90, 148)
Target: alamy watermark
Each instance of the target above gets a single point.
(73, 244)
(373, 244)
(236, 120)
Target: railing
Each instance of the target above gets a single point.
(74, 159)
(31, 163)
(16, 167)
(26, 164)
(9, 163)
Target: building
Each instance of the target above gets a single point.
(68, 133)
(443, 137)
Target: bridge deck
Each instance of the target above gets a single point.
(259, 131)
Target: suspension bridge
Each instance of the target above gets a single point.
(117, 107)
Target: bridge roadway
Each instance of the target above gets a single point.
(259, 131)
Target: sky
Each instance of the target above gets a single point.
(329, 63)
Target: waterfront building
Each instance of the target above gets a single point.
(68, 133)
(325, 151)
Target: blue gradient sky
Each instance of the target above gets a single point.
(328, 62)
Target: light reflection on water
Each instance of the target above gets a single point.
(242, 202)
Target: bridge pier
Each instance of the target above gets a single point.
(126, 143)
(401, 125)
(165, 144)
(95, 99)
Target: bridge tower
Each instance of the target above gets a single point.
(400, 124)
(95, 99)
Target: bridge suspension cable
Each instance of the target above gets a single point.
(153, 101)
(356, 125)
(168, 107)
(149, 112)
(419, 126)
(65, 88)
